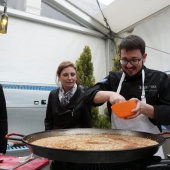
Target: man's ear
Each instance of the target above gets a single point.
(144, 57)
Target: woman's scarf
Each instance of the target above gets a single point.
(65, 97)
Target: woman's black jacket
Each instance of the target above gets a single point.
(76, 114)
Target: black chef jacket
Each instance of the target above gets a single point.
(157, 91)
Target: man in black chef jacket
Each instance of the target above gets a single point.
(149, 88)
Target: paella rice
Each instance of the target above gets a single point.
(94, 142)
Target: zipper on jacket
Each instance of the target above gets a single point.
(72, 112)
(64, 112)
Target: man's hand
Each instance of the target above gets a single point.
(142, 108)
(105, 96)
(116, 98)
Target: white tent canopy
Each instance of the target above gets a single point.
(35, 44)
(34, 41)
(123, 15)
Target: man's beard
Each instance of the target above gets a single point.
(135, 75)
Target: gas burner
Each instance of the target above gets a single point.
(132, 165)
(153, 163)
(164, 164)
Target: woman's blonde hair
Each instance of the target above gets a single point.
(64, 65)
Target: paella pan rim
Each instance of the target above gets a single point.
(94, 156)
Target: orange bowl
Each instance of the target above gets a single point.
(123, 109)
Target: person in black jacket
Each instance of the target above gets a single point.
(3, 122)
(149, 88)
(66, 107)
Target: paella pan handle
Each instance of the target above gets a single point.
(12, 138)
(165, 133)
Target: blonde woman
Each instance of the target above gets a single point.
(66, 108)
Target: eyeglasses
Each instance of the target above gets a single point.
(133, 62)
